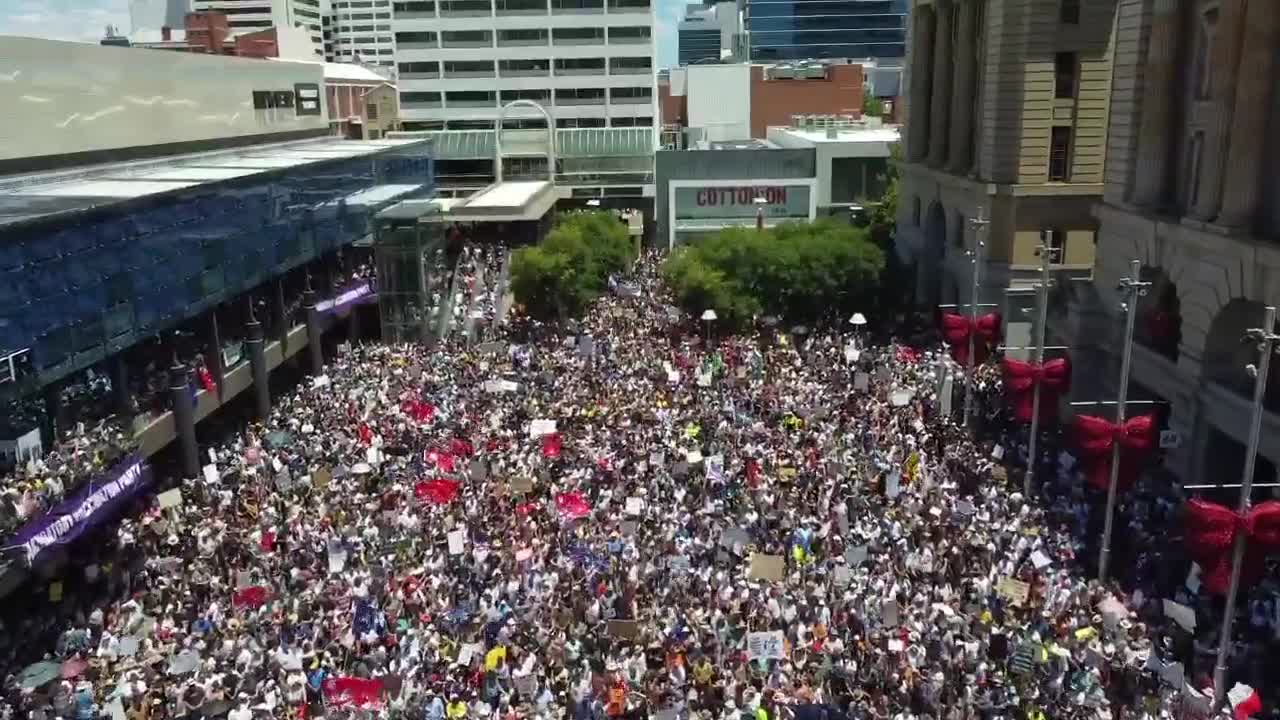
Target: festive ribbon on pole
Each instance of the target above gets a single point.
(1021, 378)
(956, 330)
(1096, 437)
(1211, 531)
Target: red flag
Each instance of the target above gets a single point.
(443, 460)
(438, 492)
(461, 448)
(343, 692)
(366, 435)
(573, 504)
(551, 445)
(524, 509)
(254, 596)
(753, 472)
(420, 411)
(268, 541)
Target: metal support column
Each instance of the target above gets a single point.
(121, 393)
(280, 318)
(980, 225)
(57, 415)
(184, 418)
(314, 335)
(256, 343)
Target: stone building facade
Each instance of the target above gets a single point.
(1194, 127)
(1007, 110)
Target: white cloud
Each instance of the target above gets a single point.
(79, 20)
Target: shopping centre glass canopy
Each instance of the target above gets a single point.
(96, 258)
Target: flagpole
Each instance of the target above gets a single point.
(1264, 338)
(1133, 288)
(1042, 302)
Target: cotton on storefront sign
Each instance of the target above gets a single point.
(741, 201)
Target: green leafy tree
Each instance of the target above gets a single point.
(872, 106)
(560, 277)
(801, 272)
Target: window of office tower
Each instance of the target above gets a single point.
(805, 29)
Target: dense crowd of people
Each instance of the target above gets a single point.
(630, 521)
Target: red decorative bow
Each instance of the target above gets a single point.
(1096, 437)
(573, 504)
(1211, 531)
(956, 330)
(1021, 378)
(551, 445)
(437, 492)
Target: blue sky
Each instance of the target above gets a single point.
(85, 20)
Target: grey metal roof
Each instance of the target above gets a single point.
(570, 142)
(32, 196)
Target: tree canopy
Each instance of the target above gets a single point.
(800, 272)
(559, 277)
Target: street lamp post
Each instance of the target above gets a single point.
(760, 201)
(1046, 258)
(858, 320)
(708, 317)
(1264, 338)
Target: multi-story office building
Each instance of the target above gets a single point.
(1006, 118)
(1194, 130)
(361, 32)
(709, 33)
(811, 29)
(588, 62)
(245, 16)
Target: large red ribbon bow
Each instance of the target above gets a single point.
(956, 330)
(1211, 531)
(1021, 378)
(1096, 436)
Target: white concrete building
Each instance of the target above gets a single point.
(852, 157)
(245, 16)
(588, 62)
(360, 30)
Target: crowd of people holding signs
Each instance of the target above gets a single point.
(628, 519)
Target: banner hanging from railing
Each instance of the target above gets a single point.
(98, 502)
(354, 294)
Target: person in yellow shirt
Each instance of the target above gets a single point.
(457, 708)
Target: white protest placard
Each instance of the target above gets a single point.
(526, 685)
(715, 468)
(889, 613)
(170, 498)
(856, 555)
(842, 576)
(704, 379)
(457, 541)
(538, 428)
(635, 506)
(899, 398)
(861, 381)
(244, 579)
(693, 457)
(320, 381)
(467, 652)
(1040, 560)
(767, 567)
(1112, 611)
(895, 645)
(337, 561)
(765, 645)
(893, 484)
(1181, 614)
(210, 473)
(673, 376)
(851, 353)
(997, 452)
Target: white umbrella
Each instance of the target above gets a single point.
(858, 319)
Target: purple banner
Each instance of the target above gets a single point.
(357, 293)
(99, 501)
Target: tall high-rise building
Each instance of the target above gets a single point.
(813, 29)
(589, 63)
(709, 33)
(1006, 122)
(360, 31)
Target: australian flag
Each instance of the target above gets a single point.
(367, 618)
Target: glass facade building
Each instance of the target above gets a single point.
(803, 29)
(698, 44)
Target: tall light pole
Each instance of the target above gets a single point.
(1042, 304)
(1133, 288)
(980, 225)
(1264, 338)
